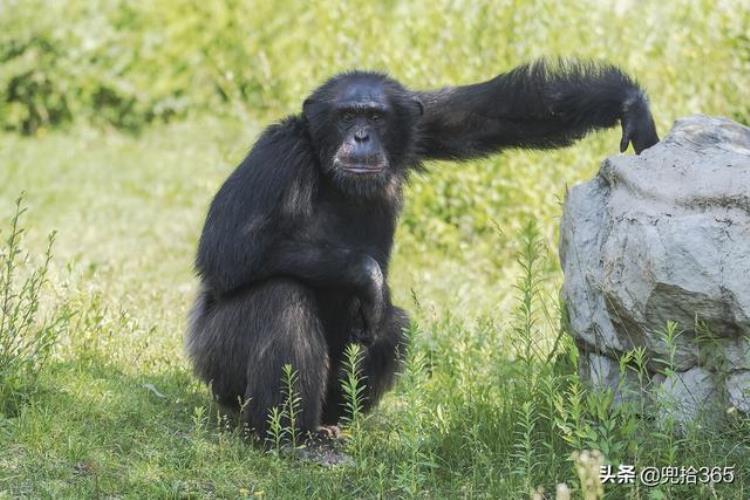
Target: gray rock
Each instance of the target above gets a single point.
(665, 236)
(686, 395)
(738, 387)
(604, 371)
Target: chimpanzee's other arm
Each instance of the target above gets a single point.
(538, 106)
(323, 265)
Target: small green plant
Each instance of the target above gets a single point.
(669, 337)
(292, 403)
(417, 462)
(526, 463)
(525, 315)
(353, 385)
(26, 339)
(275, 429)
(282, 421)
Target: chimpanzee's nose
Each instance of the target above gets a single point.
(361, 135)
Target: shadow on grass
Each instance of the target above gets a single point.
(95, 429)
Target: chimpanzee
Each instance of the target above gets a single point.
(293, 258)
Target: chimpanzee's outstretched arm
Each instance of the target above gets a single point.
(540, 105)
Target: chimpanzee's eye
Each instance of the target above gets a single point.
(376, 116)
(347, 116)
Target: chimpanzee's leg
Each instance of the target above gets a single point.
(240, 345)
(378, 367)
(383, 358)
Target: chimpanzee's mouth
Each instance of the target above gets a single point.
(362, 167)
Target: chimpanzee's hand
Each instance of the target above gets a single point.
(637, 125)
(359, 332)
(371, 303)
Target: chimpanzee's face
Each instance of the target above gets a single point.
(361, 115)
(364, 128)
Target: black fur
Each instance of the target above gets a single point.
(293, 259)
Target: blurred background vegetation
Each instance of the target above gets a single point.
(125, 65)
(128, 63)
(121, 118)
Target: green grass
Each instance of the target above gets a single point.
(485, 407)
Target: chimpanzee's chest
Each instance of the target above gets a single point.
(366, 226)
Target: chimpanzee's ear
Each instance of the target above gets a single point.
(306, 107)
(418, 102)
